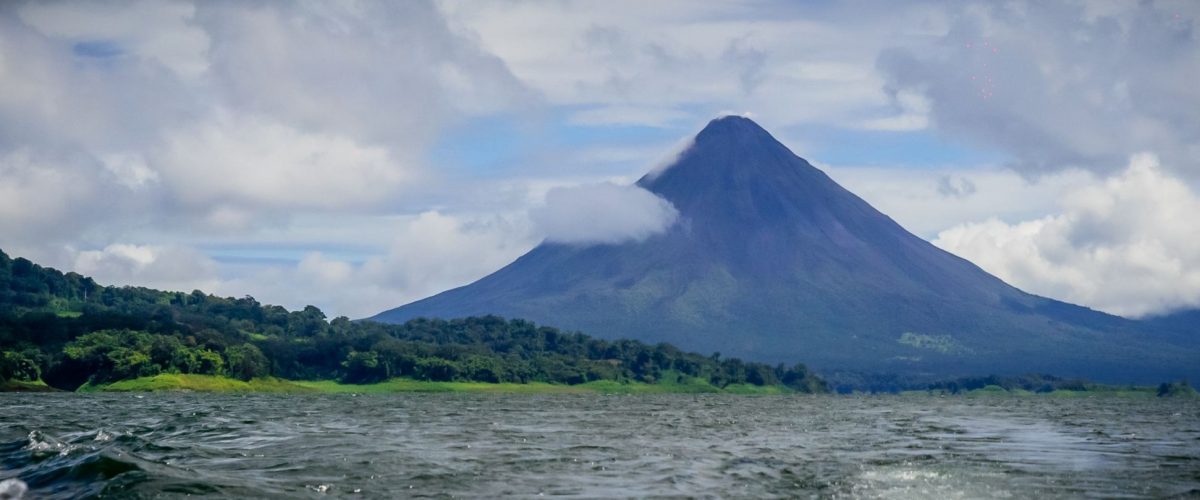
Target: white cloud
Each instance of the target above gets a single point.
(1128, 245)
(437, 251)
(259, 163)
(429, 253)
(790, 63)
(380, 72)
(168, 119)
(130, 170)
(912, 114)
(1062, 84)
(161, 31)
(602, 213)
(48, 198)
(57, 100)
(171, 268)
(927, 200)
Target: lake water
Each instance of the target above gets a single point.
(471, 445)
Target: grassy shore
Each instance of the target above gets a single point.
(196, 383)
(207, 383)
(670, 385)
(20, 386)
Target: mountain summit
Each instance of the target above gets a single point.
(771, 260)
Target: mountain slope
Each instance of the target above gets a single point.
(772, 260)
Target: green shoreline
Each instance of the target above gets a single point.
(209, 383)
(24, 386)
(216, 384)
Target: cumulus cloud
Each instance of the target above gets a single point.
(41, 196)
(161, 31)
(1126, 245)
(640, 63)
(1062, 84)
(429, 252)
(162, 267)
(426, 254)
(155, 121)
(928, 200)
(382, 72)
(602, 213)
(956, 186)
(260, 163)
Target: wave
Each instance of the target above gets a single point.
(88, 465)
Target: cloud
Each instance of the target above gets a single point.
(628, 115)
(429, 252)
(928, 200)
(56, 99)
(388, 73)
(911, 113)
(253, 162)
(175, 117)
(1126, 245)
(1062, 84)
(602, 213)
(791, 63)
(955, 186)
(161, 31)
(172, 268)
(41, 196)
(278, 128)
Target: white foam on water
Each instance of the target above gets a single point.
(12, 489)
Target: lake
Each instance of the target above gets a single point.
(482, 445)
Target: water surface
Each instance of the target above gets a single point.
(474, 445)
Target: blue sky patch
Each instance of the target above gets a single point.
(97, 49)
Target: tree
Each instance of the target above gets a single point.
(437, 369)
(15, 366)
(483, 369)
(246, 361)
(210, 363)
(363, 367)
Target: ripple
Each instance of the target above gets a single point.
(174, 445)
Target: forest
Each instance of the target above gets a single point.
(67, 330)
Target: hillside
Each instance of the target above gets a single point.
(68, 330)
(772, 260)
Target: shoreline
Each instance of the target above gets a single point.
(217, 384)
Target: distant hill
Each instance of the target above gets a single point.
(1184, 323)
(772, 260)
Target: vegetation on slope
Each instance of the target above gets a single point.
(1179, 389)
(672, 382)
(1028, 384)
(70, 331)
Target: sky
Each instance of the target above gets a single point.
(359, 155)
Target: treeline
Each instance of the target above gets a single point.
(1031, 382)
(890, 383)
(68, 330)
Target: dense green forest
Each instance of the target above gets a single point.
(68, 330)
(846, 382)
(891, 383)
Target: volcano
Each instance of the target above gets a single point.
(771, 260)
